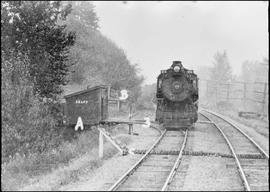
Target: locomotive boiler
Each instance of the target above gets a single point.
(177, 97)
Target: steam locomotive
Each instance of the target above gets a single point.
(177, 97)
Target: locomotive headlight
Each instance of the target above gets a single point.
(176, 69)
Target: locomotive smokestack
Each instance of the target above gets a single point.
(177, 62)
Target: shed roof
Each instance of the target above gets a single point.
(86, 90)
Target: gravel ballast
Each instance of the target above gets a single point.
(207, 173)
(206, 138)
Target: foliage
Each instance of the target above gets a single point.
(98, 59)
(221, 71)
(28, 125)
(148, 97)
(31, 28)
(34, 51)
(82, 18)
(255, 71)
(18, 171)
(56, 163)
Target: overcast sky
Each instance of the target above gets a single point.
(153, 34)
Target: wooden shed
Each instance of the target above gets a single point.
(90, 104)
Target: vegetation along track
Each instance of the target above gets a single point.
(154, 172)
(251, 159)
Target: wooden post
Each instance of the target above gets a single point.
(130, 125)
(130, 129)
(130, 109)
(129, 118)
(100, 144)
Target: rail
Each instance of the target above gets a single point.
(240, 169)
(242, 132)
(133, 168)
(176, 164)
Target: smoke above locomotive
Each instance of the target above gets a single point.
(177, 97)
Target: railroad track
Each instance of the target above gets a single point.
(252, 161)
(154, 172)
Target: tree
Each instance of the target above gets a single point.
(148, 97)
(28, 125)
(248, 71)
(255, 71)
(98, 59)
(82, 17)
(84, 21)
(32, 28)
(221, 71)
(35, 50)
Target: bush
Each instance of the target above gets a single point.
(20, 170)
(28, 124)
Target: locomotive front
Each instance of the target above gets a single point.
(177, 96)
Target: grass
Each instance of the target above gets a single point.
(76, 170)
(260, 126)
(20, 169)
(56, 167)
(76, 156)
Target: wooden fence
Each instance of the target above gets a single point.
(245, 95)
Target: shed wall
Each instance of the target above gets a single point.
(85, 105)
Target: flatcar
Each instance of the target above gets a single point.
(177, 97)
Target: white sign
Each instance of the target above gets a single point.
(79, 124)
(147, 122)
(124, 95)
(81, 101)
